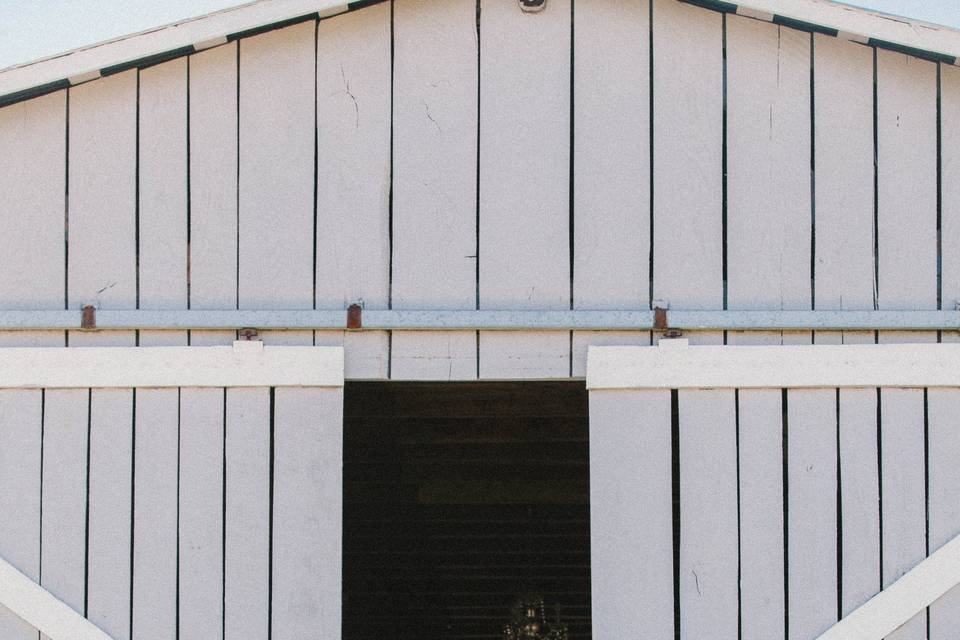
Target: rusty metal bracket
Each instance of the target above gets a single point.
(355, 317)
(88, 320)
(248, 334)
(662, 323)
(659, 319)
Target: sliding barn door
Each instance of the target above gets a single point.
(768, 511)
(190, 512)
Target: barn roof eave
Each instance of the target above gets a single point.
(147, 48)
(24, 81)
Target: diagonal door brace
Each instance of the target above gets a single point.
(41, 609)
(905, 598)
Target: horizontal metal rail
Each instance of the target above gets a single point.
(519, 320)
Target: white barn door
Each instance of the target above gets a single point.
(171, 491)
(771, 491)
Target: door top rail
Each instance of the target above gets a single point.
(676, 364)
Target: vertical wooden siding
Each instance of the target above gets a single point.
(708, 558)
(688, 70)
(611, 166)
(875, 487)
(457, 155)
(63, 534)
(155, 501)
(843, 167)
(177, 512)
(632, 430)
(162, 188)
(32, 209)
(524, 207)
(213, 257)
(21, 438)
(102, 202)
(768, 171)
(275, 214)
(435, 127)
(353, 168)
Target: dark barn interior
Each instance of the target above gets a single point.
(459, 497)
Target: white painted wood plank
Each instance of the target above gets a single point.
(843, 109)
(433, 355)
(21, 431)
(768, 166)
(907, 187)
(163, 194)
(32, 200)
(155, 514)
(111, 484)
(631, 507)
(811, 511)
(276, 189)
(434, 182)
(760, 450)
(893, 607)
(611, 155)
(353, 173)
(247, 536)
(213, 185)
(524, 355)
(843, 117)
(101, 265)
(708, 514)
(674, 364)
(943, 407)
(246, 364)
(64, 499)
(524, 182)
(903, 487)
(859, 497)
(611, 166)
(307, 513)
(950, 190)
(844, 337)
(687, 157)
(37, 607)
(200, 513)
(353, 176)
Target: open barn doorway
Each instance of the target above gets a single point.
(458, 498)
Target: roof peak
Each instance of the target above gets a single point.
(145, 48)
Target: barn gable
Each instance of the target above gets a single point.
(429, 157)
(458, 191)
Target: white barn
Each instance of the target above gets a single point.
(297, 300)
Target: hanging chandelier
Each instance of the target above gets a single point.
(529, 621)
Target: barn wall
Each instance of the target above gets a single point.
(452, 155)
(456, 154)
(162, 513)
(790, 507)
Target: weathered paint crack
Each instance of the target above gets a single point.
(426, 109)
(356, 105)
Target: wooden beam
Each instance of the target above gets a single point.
(245, 364)
(675, 364)
(41, 609)
(902, 600)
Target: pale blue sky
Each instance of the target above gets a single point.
(31, 29)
